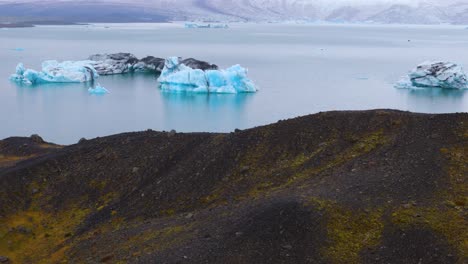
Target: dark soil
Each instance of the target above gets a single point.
(376, 186)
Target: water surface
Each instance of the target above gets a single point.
(300, 69)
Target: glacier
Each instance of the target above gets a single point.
(178, 77)
(98, 90)
(56, 72)
(435, 74)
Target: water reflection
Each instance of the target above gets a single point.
(437, 93)
(435, 99)
(222, 112)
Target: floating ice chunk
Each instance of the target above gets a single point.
(219, 26)
(98, 90)
(56, 72)
(435, 75)
(191, 25)
(177, 77)
(19, 49)
(118, 63)
(20, 69)
(121, 63)
(362, 77)
(195, 25)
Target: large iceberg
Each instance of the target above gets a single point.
(119, 63)
(96, 65)
(178, 77)
(435, 75)
(56, 72)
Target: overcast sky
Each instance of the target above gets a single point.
(347, 2)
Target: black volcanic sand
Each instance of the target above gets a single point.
(339, 187)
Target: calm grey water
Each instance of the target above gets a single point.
(300, 69)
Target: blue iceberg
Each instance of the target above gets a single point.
(56, 72)
(177, 77)
(98, 90)
(435, 74)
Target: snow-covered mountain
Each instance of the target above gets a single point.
(378, 11)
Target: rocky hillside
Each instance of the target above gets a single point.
(338, 187)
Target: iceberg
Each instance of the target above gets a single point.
(98, 90)
(56, 72)
(195, 25)
(149, 64)
(436, 74)
(96, 65)
(219, 26)
(178, 77)
(121, 63)
(109, 64)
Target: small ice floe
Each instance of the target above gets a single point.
(98, 90)
(362, 77)
(195, 25)
(435, 74)
(19, 49)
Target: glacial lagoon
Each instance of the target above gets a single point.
(299, 69)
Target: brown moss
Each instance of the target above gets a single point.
(445, 221)
(9, 160)
(33, 236)
(266, 177)
(167, 212)
(447, 216)
(105, 200)
(362, 146)
(457, 172)
(349, 231)
(98, 184)
(50, 146)
(159, 239)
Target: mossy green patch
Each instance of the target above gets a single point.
(448, 222)
(155, 240)
(457, 170)
(349, 231)
(9, 160)
(35, 236)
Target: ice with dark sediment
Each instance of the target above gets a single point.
(435, 74)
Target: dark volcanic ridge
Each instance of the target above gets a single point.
(27, 24)
(338, 187)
